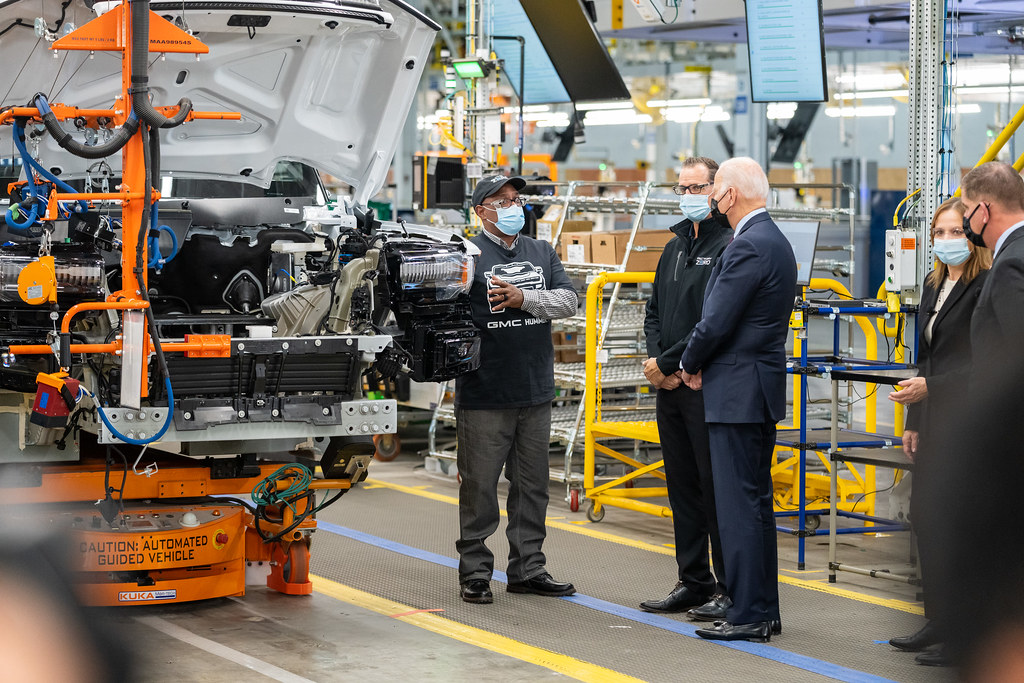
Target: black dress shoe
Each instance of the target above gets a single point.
(477, 590)
(714, 609)
(759, 631)
(679, 600)
(921, 640)
(933, 658)
(542, 584)
(775, 625)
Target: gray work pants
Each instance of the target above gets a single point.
(518, 439)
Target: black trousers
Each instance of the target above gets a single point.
(741, 461)
(687, 453)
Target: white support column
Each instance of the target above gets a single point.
(925, 62)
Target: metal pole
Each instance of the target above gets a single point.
(522, 85)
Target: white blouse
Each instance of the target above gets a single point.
(947, 287)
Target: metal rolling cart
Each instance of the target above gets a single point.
(802, 440)
(846, 447)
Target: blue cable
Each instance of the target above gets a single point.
(27, 159)
(157, 259)
(155, 437)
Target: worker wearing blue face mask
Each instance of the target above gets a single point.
(672, 311)
(935, 396)
(503, 409)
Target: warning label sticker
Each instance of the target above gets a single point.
(143, 551)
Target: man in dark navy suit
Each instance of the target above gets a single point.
(738, 354)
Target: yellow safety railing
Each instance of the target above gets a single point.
(1000, 142)
(618, 492)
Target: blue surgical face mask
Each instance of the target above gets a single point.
(510, 220)
(952, 252)
(695, 206)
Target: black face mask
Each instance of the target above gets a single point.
(975, 238)
(717, 214)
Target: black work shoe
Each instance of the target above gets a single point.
(935, 657)
(476, 590)
(712, 610)
(679, 600)
(542, 584)
(918, 642)
(759, 631)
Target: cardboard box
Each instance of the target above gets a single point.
(575, 247)
(569, 347)
(602, 248)
(547, 225)
(646, 260)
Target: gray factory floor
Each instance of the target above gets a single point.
(385, 606)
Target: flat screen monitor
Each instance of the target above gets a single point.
(803, 237)
(543, 84)
(575, 49)
(786, 48)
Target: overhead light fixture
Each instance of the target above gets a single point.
(597, 106)
(781, 110)
(528, 109)
(861, 112)
(694, 114)
(967, 108)
(695, 102)
(614, 117)
(869, 94)
(470, 68)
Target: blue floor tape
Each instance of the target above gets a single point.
(817, 666)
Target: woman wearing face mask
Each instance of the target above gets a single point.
(950, 294)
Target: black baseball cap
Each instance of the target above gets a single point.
(485, 187)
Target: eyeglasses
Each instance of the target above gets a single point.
(692, 189)
(505, 203)
(954, 234)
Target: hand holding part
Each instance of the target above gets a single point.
(503, 295)
(913, 390)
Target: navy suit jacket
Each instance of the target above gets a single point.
(740, 344)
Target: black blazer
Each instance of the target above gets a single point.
(740, 343)
(945, 362)
(997, 328)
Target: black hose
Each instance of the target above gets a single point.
(68, 142)
(140, 73)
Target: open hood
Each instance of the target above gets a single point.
(325, 82)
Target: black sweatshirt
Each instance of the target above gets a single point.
(677, 302)
(516, 353)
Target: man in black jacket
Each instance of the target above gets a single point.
(672, 311)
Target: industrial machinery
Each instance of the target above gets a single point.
(186, 318)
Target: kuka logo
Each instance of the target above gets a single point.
(146, 596)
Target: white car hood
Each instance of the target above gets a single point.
(326, 82)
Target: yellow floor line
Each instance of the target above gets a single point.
(901, 605)
(568, 666)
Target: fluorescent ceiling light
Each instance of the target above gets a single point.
(888, 80)
(870, 94)
(594, 106)
(694, 114)
(967, 108)
(781, 110)
(542, 116)
(697, 102)
(528, 109)
(987, 89)
(860, 112)
(615, 117)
